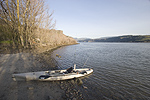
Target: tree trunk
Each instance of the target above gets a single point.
(19, 28)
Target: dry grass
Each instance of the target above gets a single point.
(53, 38)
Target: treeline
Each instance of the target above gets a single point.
(126, 38)
(22, 21)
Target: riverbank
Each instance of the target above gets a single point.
(20, 61)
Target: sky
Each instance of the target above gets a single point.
(101, 18)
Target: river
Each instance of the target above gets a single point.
(121, 70)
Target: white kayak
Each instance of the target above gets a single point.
(53, 75)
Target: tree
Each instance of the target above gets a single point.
(24, 20)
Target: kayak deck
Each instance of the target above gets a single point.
(52, 75)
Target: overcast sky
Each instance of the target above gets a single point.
(101, 18)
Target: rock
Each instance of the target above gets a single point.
(30, 88)
(84, 87)
(80, 95)
(44, 45)
(79, 82)
(74, 99)
(50, 98)
(64, 97)
(74, 90)
(62, 87)
(67, 95)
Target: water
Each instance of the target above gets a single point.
(121, 70)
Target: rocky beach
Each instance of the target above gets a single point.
(25, 61)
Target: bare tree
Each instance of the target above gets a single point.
(24, 20)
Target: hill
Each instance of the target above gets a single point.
(126, 38)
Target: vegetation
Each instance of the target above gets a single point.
(21, 21)
(126, 38)
(27, 24)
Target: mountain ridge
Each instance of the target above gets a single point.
(124, 38)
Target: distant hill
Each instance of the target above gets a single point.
(81, 39)
(125, 38)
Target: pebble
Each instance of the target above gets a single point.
(67, 95)
(74, 90)
(30, 88)
(50, 98)
(64, 97)
(80, 94)
(62, 87)
(84, 87)
(74, 99)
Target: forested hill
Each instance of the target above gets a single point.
(126, 38)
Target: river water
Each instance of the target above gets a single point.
(121, 70)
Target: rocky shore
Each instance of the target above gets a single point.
(26, 61)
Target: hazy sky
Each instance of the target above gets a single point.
(101, 18)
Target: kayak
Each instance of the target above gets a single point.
(53, 75)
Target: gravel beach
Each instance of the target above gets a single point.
(33, 90)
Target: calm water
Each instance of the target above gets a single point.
(121, 70)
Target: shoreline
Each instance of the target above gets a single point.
(27, 61)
